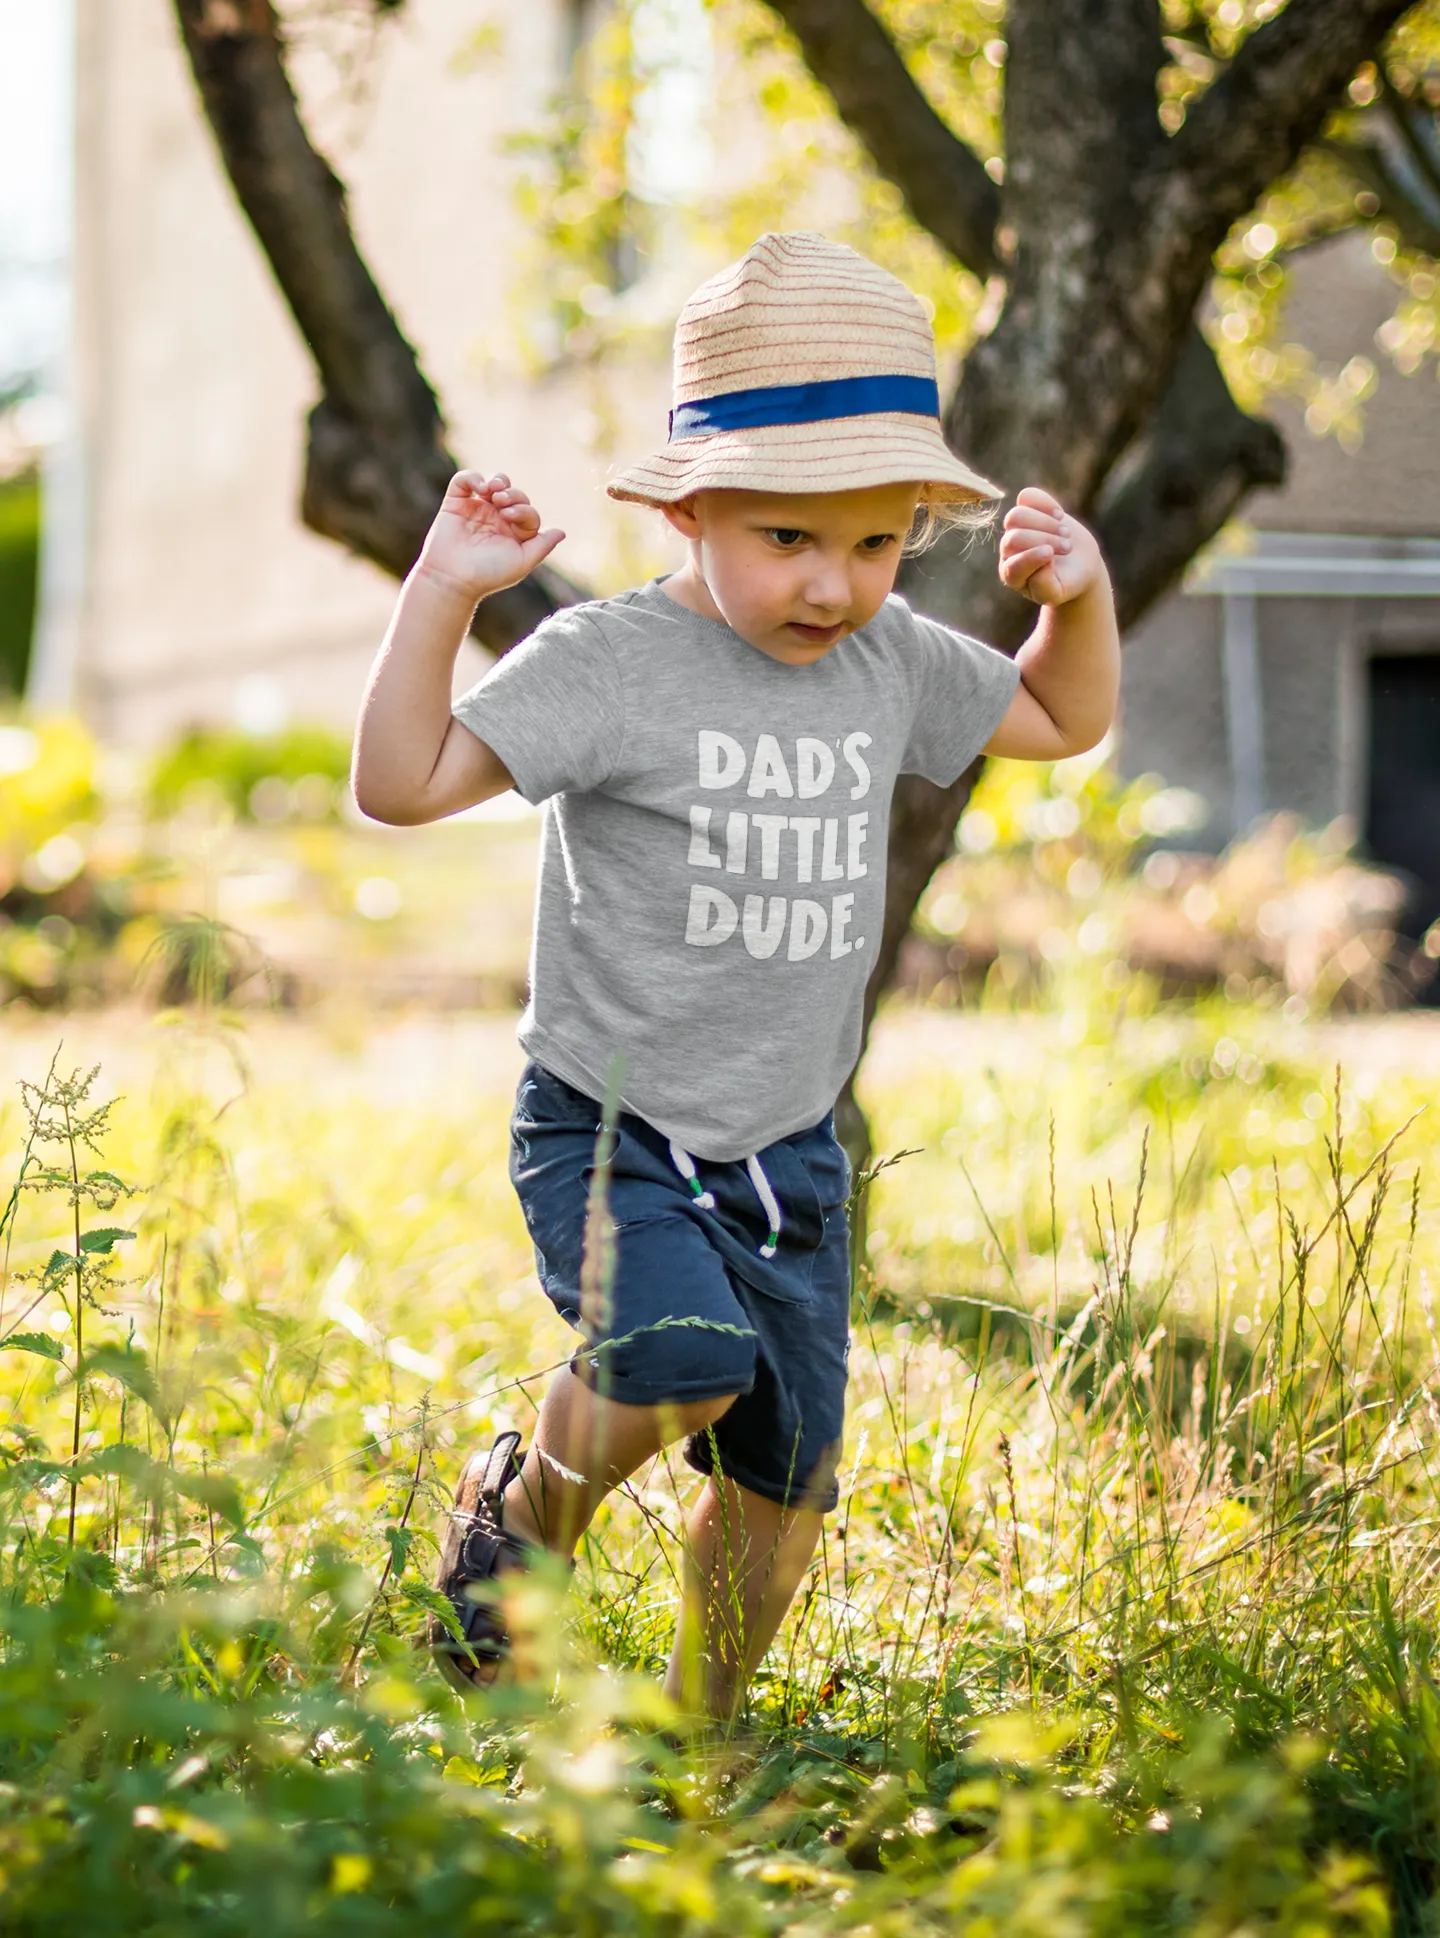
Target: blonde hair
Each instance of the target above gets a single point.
(932, 521)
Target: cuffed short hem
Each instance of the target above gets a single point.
(629, 1391)
(784, 1494)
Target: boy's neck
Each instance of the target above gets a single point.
(687, 588)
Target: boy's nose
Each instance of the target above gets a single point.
(828, 590)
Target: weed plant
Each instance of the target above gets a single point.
(1124, 1624)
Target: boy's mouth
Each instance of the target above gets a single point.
(815, 635)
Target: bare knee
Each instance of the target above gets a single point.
(693, 1416)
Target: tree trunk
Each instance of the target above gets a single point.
(377, 463)
(1095, 380)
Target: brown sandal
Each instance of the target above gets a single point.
(475, 1544)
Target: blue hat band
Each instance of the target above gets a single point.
(746, 410)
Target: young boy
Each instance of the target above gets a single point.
(716, 753)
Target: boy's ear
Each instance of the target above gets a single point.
(681, 515)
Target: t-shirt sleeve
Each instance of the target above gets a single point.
(962, 690)
(553, 708)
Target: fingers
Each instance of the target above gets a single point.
(1037, 498)
(1019, 568)
(540, 546)
(516, 509)
(496, 494)
(1034, 544)
(1037, 535)
(1025, 523)
(523, 520)
(475, 484)
(1037, 517)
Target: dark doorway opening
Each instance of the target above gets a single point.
(1402, 813)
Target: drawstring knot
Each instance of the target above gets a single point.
(705, 1200)
(769, 1201)
(685, 1165)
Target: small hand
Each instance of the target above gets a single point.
(1045, 553)
(486, 535)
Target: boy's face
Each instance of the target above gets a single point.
(792, 572)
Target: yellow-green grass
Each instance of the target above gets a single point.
(1141, 1442)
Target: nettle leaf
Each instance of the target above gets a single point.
(129, 1463)
(59, 1265)
(157, 1480)
(400, 1541)
(104, 1188)
(217, 1491)
(249, 1550)
(104, 1240)
(132, 1369)
(34, 1342)
(421, 1595)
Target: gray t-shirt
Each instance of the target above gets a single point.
(712, 860)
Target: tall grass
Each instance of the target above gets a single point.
(1124, 1623)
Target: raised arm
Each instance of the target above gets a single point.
(1070, 665)
(413, 760)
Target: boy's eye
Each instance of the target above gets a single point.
(786, 539)
(877, 542)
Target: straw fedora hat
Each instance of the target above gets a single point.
(803, 367)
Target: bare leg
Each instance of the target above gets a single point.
(745, 1557)
(583, 1447)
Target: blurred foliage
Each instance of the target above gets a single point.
(1067, 872)
(19, 574)
(1377, 167)
(296, 774)
(61, 909)
(591, 289)
(1121, 1629)
(233, 868)
(588, 292)
(585, 230)
(93, 892)
(47, 780)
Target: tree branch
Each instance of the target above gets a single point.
(377, 463)
(945, 187)
(1199, 460)
(1396, 155)
(1249, 127)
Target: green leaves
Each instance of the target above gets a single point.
(217, 1491)
(104, 1240)
(57, 1267)
(40, 1343)
(157, 1481)
(399, 1541)
(132, 1369)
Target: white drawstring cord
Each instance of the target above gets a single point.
(685, 1165)
(768, 1200)
(705, 1200)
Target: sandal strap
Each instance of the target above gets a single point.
(501, 1466)
(484, 1542)
(483, 1546)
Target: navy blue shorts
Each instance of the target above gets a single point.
(685, 1306)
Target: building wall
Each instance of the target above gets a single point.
(1390, 486)
(192, 383)
(1304, 645)
(1173, 704)
(192, 578)
(1312, 650)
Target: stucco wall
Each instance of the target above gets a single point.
(193, 384)
(1172, 705)
(1339, 298)
(1312, 650)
